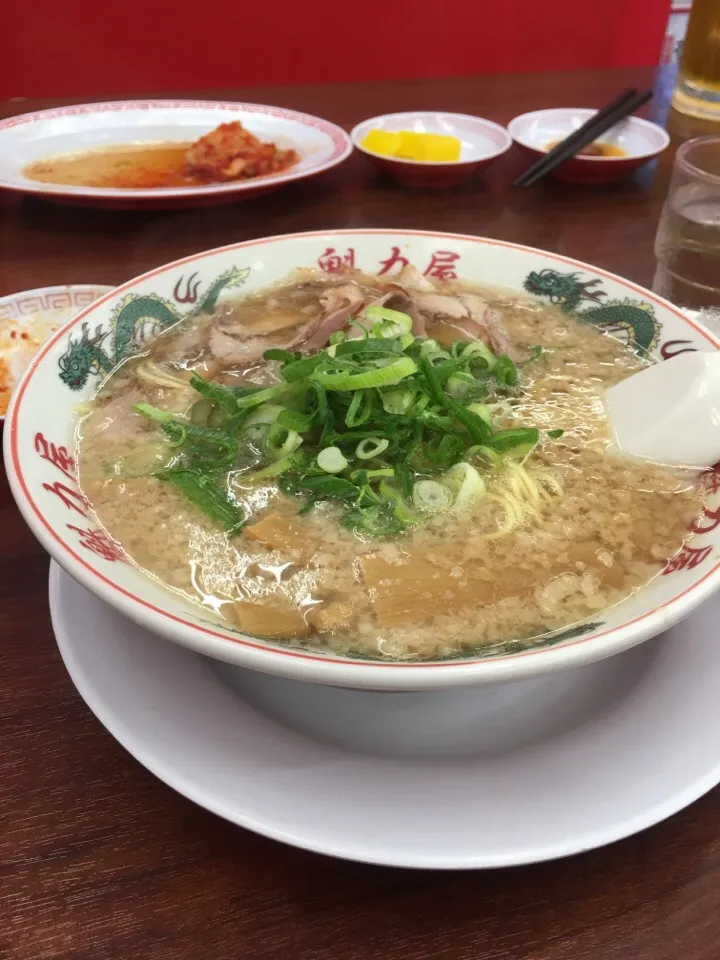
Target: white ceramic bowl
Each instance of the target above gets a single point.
(30, 137)
(67, 368)
(481, 142)
(640, 139)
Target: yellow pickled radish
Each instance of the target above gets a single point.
(440, 148)
(383, 142)
(413, 145)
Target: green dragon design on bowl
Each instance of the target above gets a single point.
(635, 318)
(134, 320)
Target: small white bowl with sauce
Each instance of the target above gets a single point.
(620, 150)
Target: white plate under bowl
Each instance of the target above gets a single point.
(460, 779)
(66, 130)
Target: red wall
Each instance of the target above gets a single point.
(85, 48)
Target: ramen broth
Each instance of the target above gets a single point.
(551, 538)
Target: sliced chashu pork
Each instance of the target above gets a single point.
(340, 304)
(468, 313)
(409, 292)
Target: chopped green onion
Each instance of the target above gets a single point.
(400, 507)
(361, 477)
(300, 369)
(388, 323)
(200, 412)
(502, 407)
(264, 414)
(368, 349)
(203, 491)
(505, 371)
(417, 407)
(261, 395)
(283, 356)
(460, 384)
(153, 413)
(535, 354)
(369, 448)
(465, 482)
(272, 470)
(487, 456)
(223, 396)
(334, 488)
(356, 323)
(360, 408)
(518, 442)
(332, 460)
(478, 351)
(421, 412)
(294, 420)
(377, 520)
(483, 411)
(391, 373)
(555, 434)
(397, 401)
(282, 441)
(432, 496)
(475, 426)
(445, 450)
(431, 350)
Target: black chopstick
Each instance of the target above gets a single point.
(576, 136)
(572, 138)
(622, 106)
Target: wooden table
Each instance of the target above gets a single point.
(100, 860)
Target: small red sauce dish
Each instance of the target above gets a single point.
(481, 142)
(629, 144)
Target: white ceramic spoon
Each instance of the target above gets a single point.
(670, 412)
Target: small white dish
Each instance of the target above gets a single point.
(506, 775)
(482, 142)
(28, 318)
(76, 129)
(640, 140)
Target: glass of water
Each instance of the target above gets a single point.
(687, 245)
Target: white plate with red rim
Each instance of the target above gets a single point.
(455, 779)
(28, 318)
(30, 137)
(68, 368)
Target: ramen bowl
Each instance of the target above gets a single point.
(481, 143)
(69, 366)
(633, 142)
